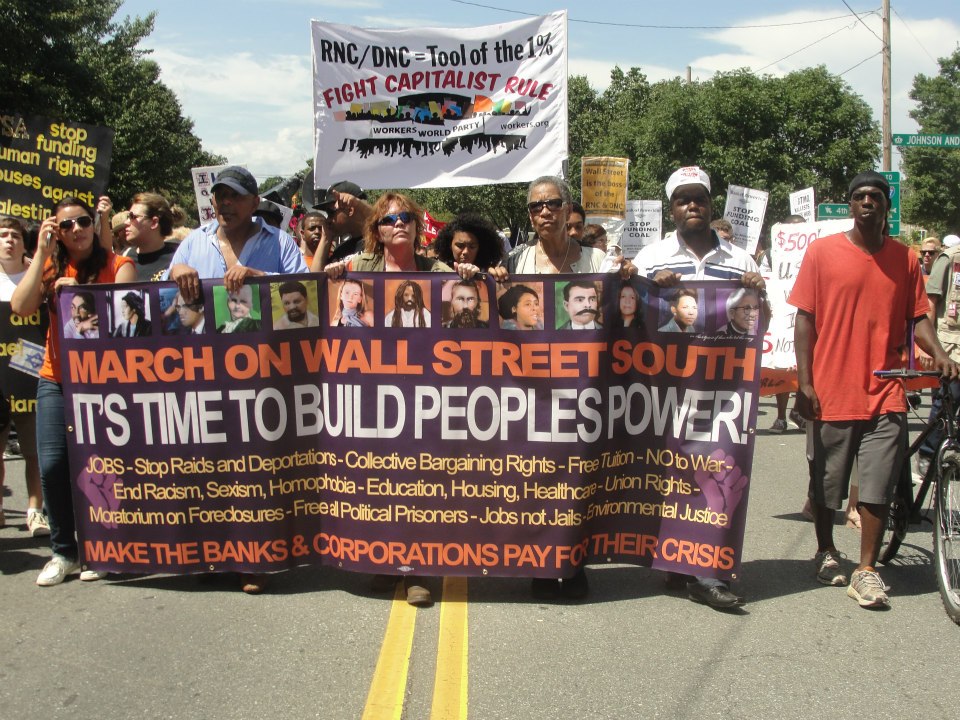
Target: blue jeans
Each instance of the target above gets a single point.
(55, 469)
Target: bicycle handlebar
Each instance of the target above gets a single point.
(906, 373)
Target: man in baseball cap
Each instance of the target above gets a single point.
(696, 252)
(347, 213)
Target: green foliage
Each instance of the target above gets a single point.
(930, 195)
(70, 59)
(776, 134)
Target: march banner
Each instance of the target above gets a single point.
(440, 107)
(43, 160)
(398, 423)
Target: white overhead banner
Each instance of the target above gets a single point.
(440, 107)
(745, 210)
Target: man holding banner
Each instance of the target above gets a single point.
(696, 252)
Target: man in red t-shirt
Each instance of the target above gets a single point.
(856, 295)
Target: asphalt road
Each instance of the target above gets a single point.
(196, 647)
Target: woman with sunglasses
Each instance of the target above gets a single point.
(67, 255)
(552, 250)
(390, 240)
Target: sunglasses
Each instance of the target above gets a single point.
(539, 205)
(928, 252)
(391, 219)
(84, 221)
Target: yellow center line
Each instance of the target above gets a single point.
(387, 690)
(450, 681)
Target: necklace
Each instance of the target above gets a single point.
(544, 253)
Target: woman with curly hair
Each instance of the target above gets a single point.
(472, 240)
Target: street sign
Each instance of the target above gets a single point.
(893, 217)
(945, 141)
(832, 211)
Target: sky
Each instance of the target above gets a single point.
(243, 73)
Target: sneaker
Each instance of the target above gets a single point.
(828, 568)
(797, 420)
(868, 589)
(12, 450)
(37, 524)
(92, 575)
(56, 571)
(779, 425)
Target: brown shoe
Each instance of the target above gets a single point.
(417, 595)
(253, 584)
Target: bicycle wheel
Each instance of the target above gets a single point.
(946, 537)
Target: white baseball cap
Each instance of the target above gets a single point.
(691, 175)
(951, 241)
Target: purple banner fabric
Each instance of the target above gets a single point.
(485, 433)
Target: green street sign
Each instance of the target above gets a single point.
(893, 217)
(936, 141)
(832, 211)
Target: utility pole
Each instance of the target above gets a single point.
(887, 132)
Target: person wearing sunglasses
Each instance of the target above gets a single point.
(149, 222)
(390, 240)
(68, 255)
(929, 250)
(552, 250)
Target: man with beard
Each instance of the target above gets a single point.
(293, 296)
(581, 301)
(465, 306)
(409, 308)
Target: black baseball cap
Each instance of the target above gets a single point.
(237, 178)
(344, 186)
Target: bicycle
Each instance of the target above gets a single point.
(943, 474)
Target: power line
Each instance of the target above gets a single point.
(861, 22)
(922, 47)
(859, 63)
(845, 27)
(655, 27)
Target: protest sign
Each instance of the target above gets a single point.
(203, 179)
(443, 449)
(643, 226)
(440, 107)
(22, 341)
(43, 160)
(802, 204)
(603, 183)
(745, 209)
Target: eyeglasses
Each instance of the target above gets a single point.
(84, 221)
(537, 206)
(134, 216)
(391, 219)
(928, 252)
(749, 309)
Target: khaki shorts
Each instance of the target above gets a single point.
(878, 445)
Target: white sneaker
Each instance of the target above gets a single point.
(37, 524)
(93, 575)
(56, 571)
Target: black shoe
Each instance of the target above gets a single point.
(545, 588)
(576, 587)
(716, 596)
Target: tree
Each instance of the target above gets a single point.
(69, 59)
(930, 194)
